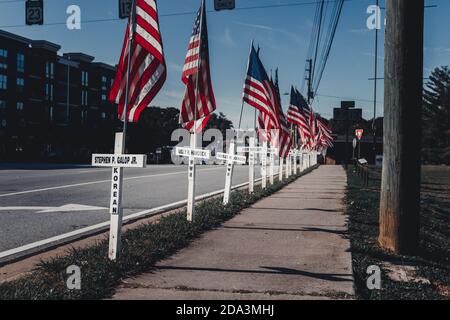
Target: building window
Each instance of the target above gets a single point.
(84, 115)
(49, 70)
(3, 53)
(3, 81)
(3, 66)
(103, 115)
(51, 113)
(104, 79)
(4, 123)
(20, 62)
(84, 98)
(103, 97)
(84, 78)
(49, 91)
(20, 85)
(19, 106)
(2, 104)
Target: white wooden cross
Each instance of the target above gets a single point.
(192, 153)
(294, 160)
(280, 171)
(272, 153)
(252, 154)
(231, 158)
(117, 162)
(288, 161)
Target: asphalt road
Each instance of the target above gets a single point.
(26, 193)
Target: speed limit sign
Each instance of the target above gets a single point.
(34, 12)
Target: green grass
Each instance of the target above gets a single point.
(433, 258)
(141, 248)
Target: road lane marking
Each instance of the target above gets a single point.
(105, 225)
(97, 182)
(64, 208)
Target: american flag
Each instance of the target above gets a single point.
(196, 74)
(257, 87)
(284, 134)
(299, 113)
(296, 115)
(264, 122)
(325, 133)
(147, 65)
(197, 126)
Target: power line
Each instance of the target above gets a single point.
(329, 45)
(174, 14)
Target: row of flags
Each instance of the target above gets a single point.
(314, 131)
(142, 64)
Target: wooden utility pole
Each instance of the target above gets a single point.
(400, 191)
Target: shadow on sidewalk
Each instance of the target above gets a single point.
(305, 229)
(336, 277)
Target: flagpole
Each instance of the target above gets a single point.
(193, 142)
(248, 64)
(127, 87)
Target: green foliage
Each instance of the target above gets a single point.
(156, 125)
(141, 248)
(436, 118)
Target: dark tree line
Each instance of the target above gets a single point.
(436, 118)
(155, 127)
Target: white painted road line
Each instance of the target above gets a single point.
(65, 208)
(98, 182)
(104, 225)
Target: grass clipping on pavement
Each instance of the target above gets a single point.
(141, 248)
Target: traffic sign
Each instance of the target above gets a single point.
(359, 133)
(125, 8)
(224, 5)
(34, 12)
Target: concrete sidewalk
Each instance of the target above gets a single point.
(290, 245)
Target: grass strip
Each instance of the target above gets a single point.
(142, 247)
(432, 261)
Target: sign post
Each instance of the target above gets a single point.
(117, 162)
(359, 134)
(192, 153)
(231, 159)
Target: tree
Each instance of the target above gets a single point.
(436, 118)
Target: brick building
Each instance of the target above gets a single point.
(52, 107)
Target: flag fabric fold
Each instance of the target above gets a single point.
(147, 72)
(198, 101)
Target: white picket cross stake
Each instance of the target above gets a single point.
(272, 152)
(253, 151)
(251, 166)
(287, 167)
(294, 160)
(280, 171)
(193, 154)
(117, 162)
(231, 159)
(264, 166)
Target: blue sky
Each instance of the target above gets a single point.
(282, 33)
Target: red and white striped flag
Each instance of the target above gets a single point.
(147, 65)
(197, 126)
(196, 74)
(325, 133)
